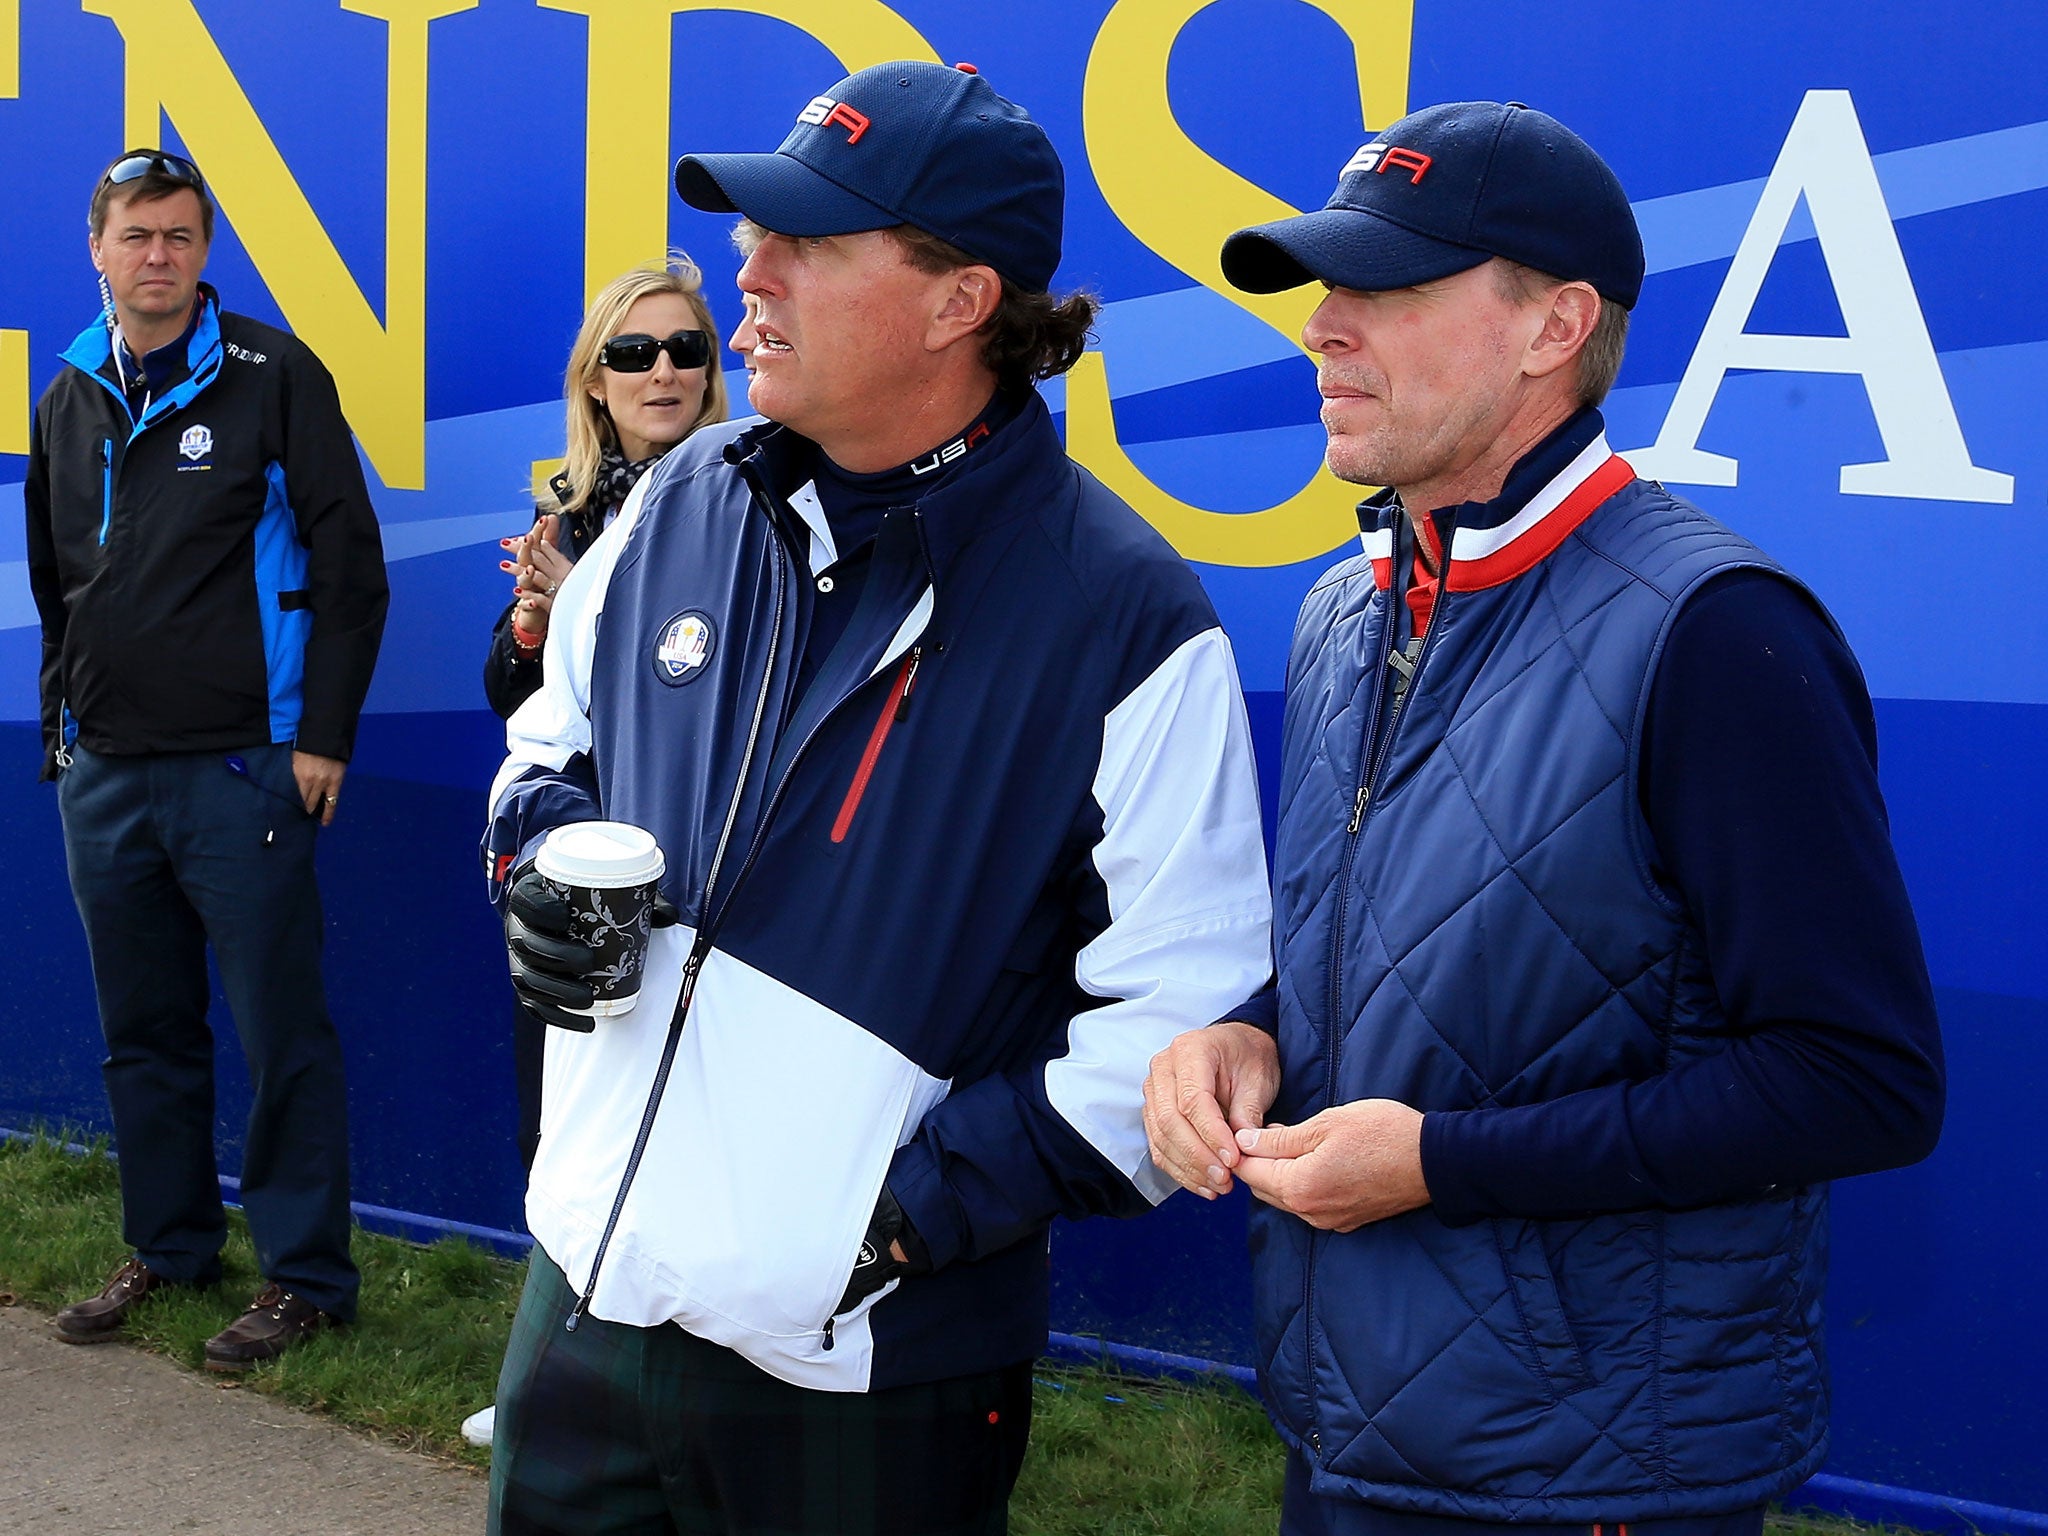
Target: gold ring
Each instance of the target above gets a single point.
(332, 799)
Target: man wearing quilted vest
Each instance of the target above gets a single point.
(1594, 960)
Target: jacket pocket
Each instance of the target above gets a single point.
(895, 706)
(1553, 1352)
(106, 488)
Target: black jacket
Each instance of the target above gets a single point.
(206, 562)
(510, 676)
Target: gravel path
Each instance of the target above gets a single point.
(108, 1439)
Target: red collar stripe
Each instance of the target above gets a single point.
(1487, 557)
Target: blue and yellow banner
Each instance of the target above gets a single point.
(1841, 349)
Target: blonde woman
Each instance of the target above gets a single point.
(642, 377)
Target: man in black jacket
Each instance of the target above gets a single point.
(210, 579)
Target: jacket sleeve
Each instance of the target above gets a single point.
(547, 780)
(48, 589)
(510, 679)
(1261, 1010)
(1759, 785)
(345, 583)
(1181, 863)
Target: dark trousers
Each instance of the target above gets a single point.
(653, 1432)
(167, 853)
(1305, 1513)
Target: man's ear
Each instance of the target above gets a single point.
(92, 246)
(1574, 309)
(966, 306)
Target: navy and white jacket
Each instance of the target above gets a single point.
(938, 912)
(206, 562)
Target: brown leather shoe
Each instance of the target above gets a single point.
(99, 1318)
(275, 1321)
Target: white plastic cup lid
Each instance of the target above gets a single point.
(605, 855)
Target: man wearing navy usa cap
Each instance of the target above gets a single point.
(947, 759)
(1594, 960)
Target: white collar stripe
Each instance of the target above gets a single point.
(1471, 544)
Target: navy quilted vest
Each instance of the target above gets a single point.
(1494, 934)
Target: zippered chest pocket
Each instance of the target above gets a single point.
(106, 488)
(895, 709)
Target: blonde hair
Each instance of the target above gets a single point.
(590, 425)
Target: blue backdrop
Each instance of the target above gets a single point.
(1843, 208)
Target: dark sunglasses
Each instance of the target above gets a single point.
(138, 163)
(635, 353)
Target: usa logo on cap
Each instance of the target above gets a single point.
(196, 443)
(1383, 157)
(823, 112)
(686, 644)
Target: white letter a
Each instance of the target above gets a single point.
(1826, 158)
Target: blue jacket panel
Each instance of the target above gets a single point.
(1467, 916)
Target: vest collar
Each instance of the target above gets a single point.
(1551, 490)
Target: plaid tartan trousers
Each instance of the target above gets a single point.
(615, 1430)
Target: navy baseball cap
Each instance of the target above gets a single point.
(1443, 190)
(904, 143)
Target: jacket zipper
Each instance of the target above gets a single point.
(707, 932)
(1374, 750)
(701, 947)
(899, 696)
(106, 488)
(774, 803)
(895, 709)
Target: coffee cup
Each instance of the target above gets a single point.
(607, 874)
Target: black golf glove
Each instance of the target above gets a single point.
(876, 1266)
(550, 969)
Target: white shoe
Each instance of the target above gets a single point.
(477, 1428)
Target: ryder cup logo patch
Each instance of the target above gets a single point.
(197, 443)
(686, 643)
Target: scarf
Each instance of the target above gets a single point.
(615, 481)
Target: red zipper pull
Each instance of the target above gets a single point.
(909, 682)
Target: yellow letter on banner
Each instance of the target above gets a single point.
(10, 48)
(627, 164)
(175, 67)
(1182, 204)
(14, 401)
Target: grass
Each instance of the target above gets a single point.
(1110, 1455)
(1120, 1456)
(423, 1354)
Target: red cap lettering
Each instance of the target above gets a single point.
(849, 118)
(1408, 160)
